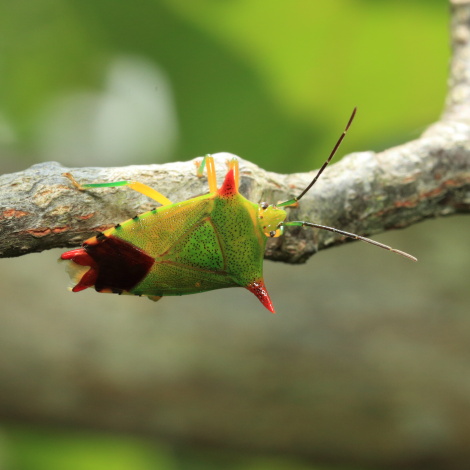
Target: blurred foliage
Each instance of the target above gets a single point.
(32, 448)
(272, 83)
(46, 449)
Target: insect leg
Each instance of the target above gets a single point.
(233, 165)
(299, 223)
(208, 161)
(135, 185)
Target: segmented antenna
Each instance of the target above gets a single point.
(298, 223)
(320, 171)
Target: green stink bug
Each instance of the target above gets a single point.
(208, 242)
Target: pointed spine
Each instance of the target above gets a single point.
(259, 289)
(229, 187)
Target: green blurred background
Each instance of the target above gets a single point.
(109, 83)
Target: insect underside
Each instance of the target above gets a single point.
(208, 242)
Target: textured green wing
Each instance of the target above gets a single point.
(184, 244)
(156, 232)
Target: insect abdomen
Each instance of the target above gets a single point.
(114, 264)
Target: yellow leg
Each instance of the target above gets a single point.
(135, 185)
(233, 165)
(211, 174)
(150, 192)
(208, 161)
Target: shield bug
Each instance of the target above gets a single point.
(208, 242)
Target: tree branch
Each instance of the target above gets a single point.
(297, 387)
(365, 192)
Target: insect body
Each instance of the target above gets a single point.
(208, 242)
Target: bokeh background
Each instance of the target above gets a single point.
(108, 83)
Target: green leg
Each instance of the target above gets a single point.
(135, 185)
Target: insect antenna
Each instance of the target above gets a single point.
(299, 223)
(354, 236)
(320, 171)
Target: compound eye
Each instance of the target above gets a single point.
(272, 233)
(264, 205)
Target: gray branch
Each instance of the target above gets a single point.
(365, 193)
(300, 385)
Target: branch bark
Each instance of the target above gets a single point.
(365, 192)
(198, 382)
